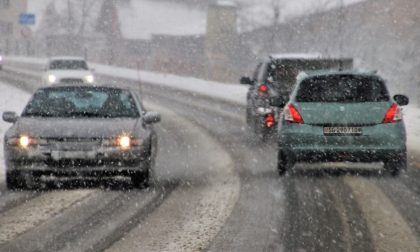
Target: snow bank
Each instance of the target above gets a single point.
(412, 122)
(229, 92)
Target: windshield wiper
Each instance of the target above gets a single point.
(38, 114)
(84, 114)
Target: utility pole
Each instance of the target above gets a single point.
(341, 16)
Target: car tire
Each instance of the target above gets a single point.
(15, 180)
(140, 179)
(395, 165)
(284, 163)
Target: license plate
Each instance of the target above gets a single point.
(342, 131)
(59, 155)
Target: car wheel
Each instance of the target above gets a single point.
(283, 163)
(140, 179)
(15, 180)
(396, 164)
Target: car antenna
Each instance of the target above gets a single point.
(139, 78)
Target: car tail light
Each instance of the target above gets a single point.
(269, 120)
(393, 114)
(291, 114)
(262, 89)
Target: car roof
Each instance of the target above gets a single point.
(295, 56)
(66, 85)
(323, 73)
(66, 58)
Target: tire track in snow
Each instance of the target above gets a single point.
(194, 214)
(30, 214)
(389, 230)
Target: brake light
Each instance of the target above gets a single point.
(393, 114)
(291, 114)
(262, 89)
(269, 120)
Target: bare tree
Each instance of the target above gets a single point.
(77, 16)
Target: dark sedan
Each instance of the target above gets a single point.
(80, 131)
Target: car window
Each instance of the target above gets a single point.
(283, 77)
(82, 102)
(257, 70)
(68, 65)
(342, 89)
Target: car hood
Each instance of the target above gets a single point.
(74, 127)
(69, 73)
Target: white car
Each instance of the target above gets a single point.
(67, 70)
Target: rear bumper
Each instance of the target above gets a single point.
(336, 155)
(377, 143)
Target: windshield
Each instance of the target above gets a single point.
(68, 65)
(81, 102)
(342, 89)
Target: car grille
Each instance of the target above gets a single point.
(71, 80)
(82, 144)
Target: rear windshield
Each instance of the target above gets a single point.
(82, 102)
(342, 88)
(68, 65)
(285, 71)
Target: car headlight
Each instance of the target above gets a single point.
(1, 58)
(52, 78)
(124, 142)
(89, 78)
(23, 141)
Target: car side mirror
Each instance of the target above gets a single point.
(151, 118)
(10, 117)
(245, 80)
(278, 101)
(401, 100)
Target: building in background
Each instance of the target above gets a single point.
(14, 37)
(222, 41)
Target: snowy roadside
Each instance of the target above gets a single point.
(412, 122)
(11, 99)
(235, 93)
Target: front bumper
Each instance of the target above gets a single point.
(104, 160)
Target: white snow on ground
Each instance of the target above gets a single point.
(412, 122)
(229, 92)
(11, 99)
